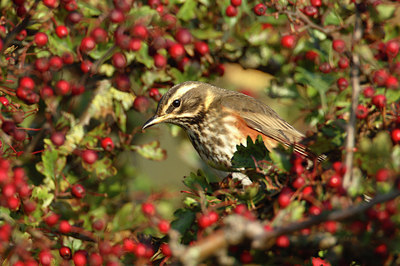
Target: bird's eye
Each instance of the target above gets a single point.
(176, 103)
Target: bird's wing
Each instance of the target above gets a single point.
(263, 119)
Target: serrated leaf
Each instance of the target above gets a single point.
(385, 11)
(187, 10)
(142, 56)
(197, 181)
(246, 156)
(44, 196)
(281, 159)
(120, 115)
(185, 219)
(103, 168)
(291, 213)
(51, 165)
(332, 18)
(151, 151)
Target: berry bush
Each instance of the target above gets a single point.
(79, 78)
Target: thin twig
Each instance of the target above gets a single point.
(355, 81)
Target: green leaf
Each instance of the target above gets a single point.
(245, 156)
(197, 181)
(51, 165)
(151, 151)
(281, 159)
(332, 18)
(44, 196)
(385, 11)
(103, 168)
(120, 115)
(205, 34)
(185, 219)
(377, 150)
(187, 11)
(142, 56)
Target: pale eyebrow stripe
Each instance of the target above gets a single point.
(180, 92)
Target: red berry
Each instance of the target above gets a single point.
(392, 82)
(201, 47)
(260, 9)
(42, 64)
(140, 250)
(139, 31)
(55, 63)
(381, 250)
(95, 259)
(71, 5)
(342, 83)
(236, 2)
(21, 35)
(107, 144)
(13, 203)
(61, 31)
(392, 48)
(361, 112)
(166, 250)
(74, 17)
(64, 227)
(29, 206)
(311, 55)
(99, 35)
(159, 61)
(325, 68)
(380, 77)
(4, 101)
(382, 175)
(58, 138)
(77, 89)
(117, 16)
(204, 221)
(87, 44)
(343, 63)
(119, 60)
(368, 92)
(52, 219)
(285, 197)
(40, 39)
(314, 210)
(135, 44)
(65, 253)
(213, 216)
(129, 245)
(86, 66)
(183, 36)
(330, 226)
(98, 225)
(45, 257)
(122, 82)
(148, 209)
(282, 241)
(246, 257)
(231, 11)
(50, 3)
(176, 51)
(396, 135)
(316, 3)
(79, 259)
(89, 156)
(155, 94)
(67, 58)
(288, 41)
(338, 45)
(46, 92)
(62, 87)
(379, 101)
(164, 226)
(78, 191)
(299, 182)
(141, 103)
(310, 11)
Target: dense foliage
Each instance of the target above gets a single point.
(79, 77)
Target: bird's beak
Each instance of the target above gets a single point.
(153, 121)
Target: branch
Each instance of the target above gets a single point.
(238, 228)
(355, 82)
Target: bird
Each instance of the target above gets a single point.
(217, 120)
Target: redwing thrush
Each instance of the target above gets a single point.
(217, 120)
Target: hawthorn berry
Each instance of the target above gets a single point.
(391, 82)
(204, 221)
(159, 61)
(166, 250)
(78, 191)
(45, 257)
(316, 3)
(311, 55)
(260, 9)
(392, 48)
(154, 93)
(55, 63)
(310, 11)
(382, 175)
(231, 11)
(61, 31)
(141, 103)
(89, 156)
(67, 58)
(117, 16)
(164, 226)
(40, 39)
(299, 182)
(122, 82)
(107, 144)
(139, 31)
(29, 206)
(325, 68)
(99, 35)
(396, 135)
(314, 210)
(21, 35)
(52, 219)
(62, 87)
(246, 257)
(176, 51)
(42, 64)
(95, 259)
(129, 245)
(50, 3)
(201, 47)
(236, 2)
(338, 45)
(86, 66)
(342, 83)
(57, 138)
(148, 209)
(183, 36)
(343, 63)
(379, 101)
(361, 112)
(13, 203)
(98, 224)
(134, 44)
(74, 17)
(64, 227)
(283, 241)
(119, 60)
(46, 92)
(368, 92)
(213, 216)
(65, 253)
(288, 41)
(4, 101)
(380, 77)
(70, 5)
(284, 197)
(79, 259)
(87, 44)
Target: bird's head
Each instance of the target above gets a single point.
(183, 104)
